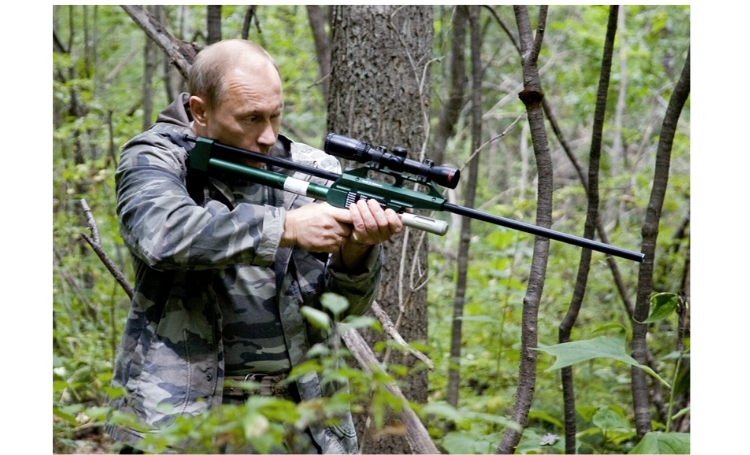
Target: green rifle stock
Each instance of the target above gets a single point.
(354, 184)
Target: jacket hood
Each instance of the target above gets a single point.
(177, 113)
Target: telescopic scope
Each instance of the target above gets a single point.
(361, 152)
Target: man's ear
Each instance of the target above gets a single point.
(199, 109)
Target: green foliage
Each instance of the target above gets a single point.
(574, 352)
(97, 108)
(662, 443)
(664, 304)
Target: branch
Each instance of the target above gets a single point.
(181, 53)
(541, 23)
(96, 246)
(416, 434)
(592, 215)
(505, 27)
(390, 328)
(649, 235)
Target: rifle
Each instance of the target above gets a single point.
(355, 184)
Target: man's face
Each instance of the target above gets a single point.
(249, 114)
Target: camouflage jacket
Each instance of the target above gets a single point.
(171, 358)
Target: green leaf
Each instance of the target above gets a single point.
(663, 443)
(317, 318)
(574, 352)
(64, 415)
(587, 412)
(457, 442)
(681, 413)
(541, 415)
(357, 322)
(607, 419)
(335, 303)
(664, 305)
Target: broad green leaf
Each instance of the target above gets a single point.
(587, 412)
(664, 305)
(607, 419)
(317, 318)
(457, 442)
(574, 352)
(663, 443)
(334, 302)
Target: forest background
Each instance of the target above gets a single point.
(580, 35)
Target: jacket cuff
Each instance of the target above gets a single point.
(370, 267)
(273, 228)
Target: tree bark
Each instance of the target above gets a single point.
(379, 93)
(649, 233)
(471, 189)
(452, 107)
(213, 25)
(532, 96)
(249, 14)
(592, 213)
(322, 46)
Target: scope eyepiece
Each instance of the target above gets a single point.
(361, 152)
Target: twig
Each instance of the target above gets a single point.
(390, 328)
(492, 140)
(90, 220)
(96, 246)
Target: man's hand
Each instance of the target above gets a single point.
(372, 225)
(318, 228)
(322, 228)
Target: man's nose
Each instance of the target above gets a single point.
(267, 136)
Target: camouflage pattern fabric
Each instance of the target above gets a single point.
(172, 359)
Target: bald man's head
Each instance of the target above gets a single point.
(207, 75)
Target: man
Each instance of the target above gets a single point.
(222, 271)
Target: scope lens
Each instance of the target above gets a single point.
(445, 176)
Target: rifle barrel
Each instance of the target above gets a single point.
(544, 232)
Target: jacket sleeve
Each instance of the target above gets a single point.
(163, 226)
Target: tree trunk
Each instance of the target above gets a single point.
(471, 189)
(322, 46)
(592, 213)
(452, 108)
(649, 233)
(532, 96)
(214, 24)
(378, 95)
